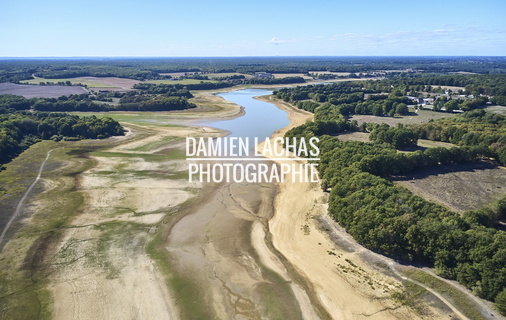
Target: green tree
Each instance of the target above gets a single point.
(502, 155)
(451, 105)
(401, 109)
(500, 302)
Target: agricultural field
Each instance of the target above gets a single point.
(34, 91)
(461, 187)
(226, 74)
(497, 109)
(118, 84)
(287, 75)
(421, 116)
(184, 81)
(340, 74)
(209, 75)
(364, 137)
(452, 88)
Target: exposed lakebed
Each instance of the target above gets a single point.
(219, 249)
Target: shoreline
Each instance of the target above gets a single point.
(297, 234)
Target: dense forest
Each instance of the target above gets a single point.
(345, 98)
(21, 129)
(12, 70)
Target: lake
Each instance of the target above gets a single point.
(261, 119)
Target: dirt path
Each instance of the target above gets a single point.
(19, 206)
(486, 310)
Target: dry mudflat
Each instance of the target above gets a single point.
(105, 270)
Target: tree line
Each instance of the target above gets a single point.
(392, 221)
(20, 129)
(345, 98)
(477, 128)
(131, 101)
(12, 70)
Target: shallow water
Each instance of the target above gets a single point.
(261, 119)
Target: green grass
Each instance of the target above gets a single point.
(184, 81)
(156, 144)
(459, 299)
(172, 154)
(221, 75)
(410, 296)
(74, 81)
(189, 300)
(178, 175)
(116, 236)
(422, 116)
(497, 109)
(142, 118)
(433, 144)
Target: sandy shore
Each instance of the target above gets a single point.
(347, 286)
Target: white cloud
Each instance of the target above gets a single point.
(277, 41)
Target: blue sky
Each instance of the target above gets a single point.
(57, 28)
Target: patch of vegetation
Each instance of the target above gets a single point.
(410, 296)
(169, 154)
(459, 299)
(188, 298)
(477, 128)
(156, 144)
(19, 130)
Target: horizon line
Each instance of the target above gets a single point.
(246, 56)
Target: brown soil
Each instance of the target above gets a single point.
(119, 84)
(459, 187)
